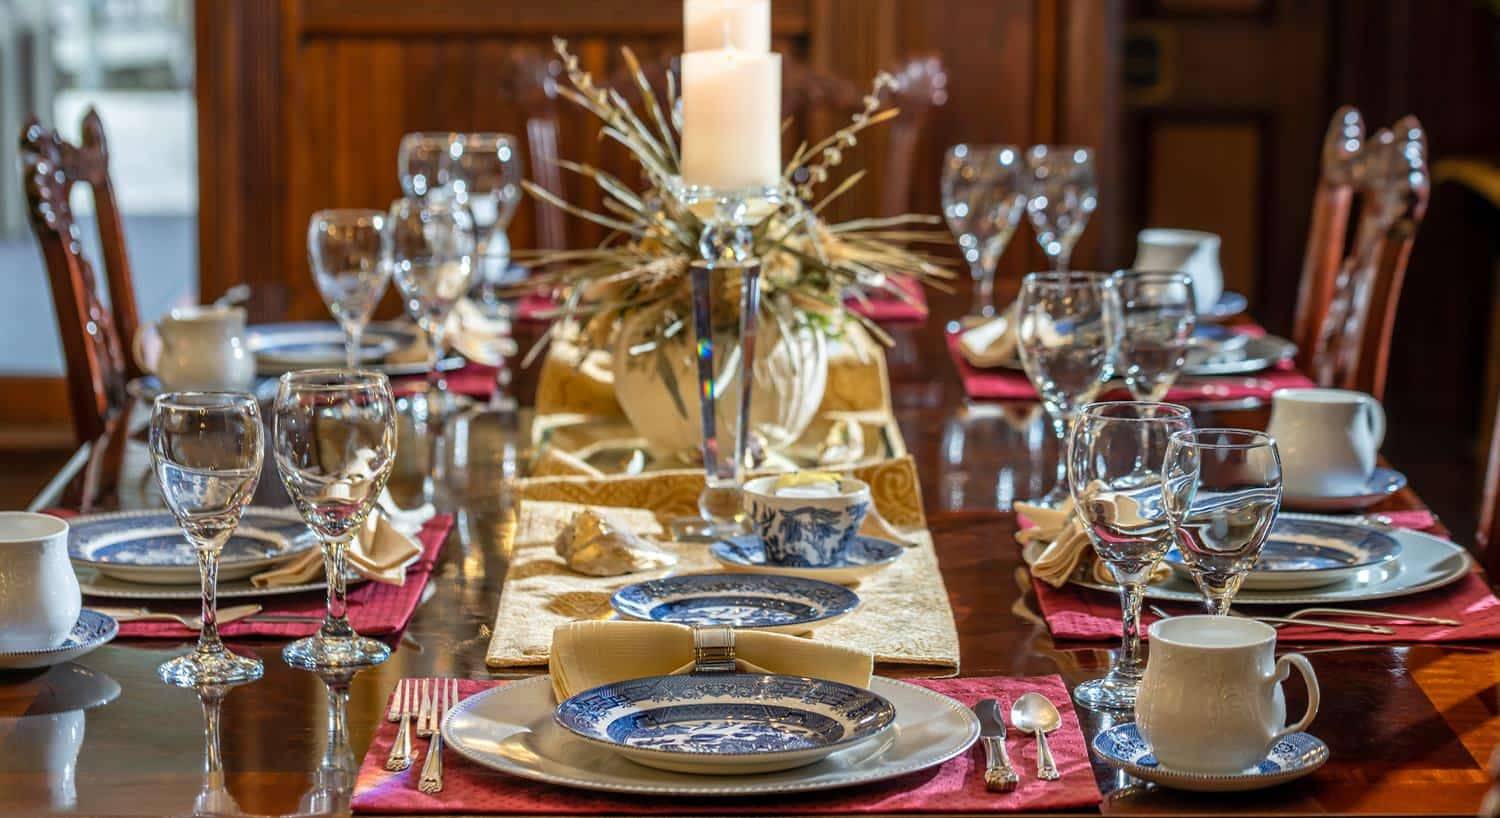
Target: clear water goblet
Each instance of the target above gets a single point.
(344, 250)
(1223, 494)
(430, 247)
(206, 453)
(487, 177)
(1158, 316)
(424, 162)
(1068, 325)
(984, 194)
(1063, 194)
(335, 443)
(1115, 461)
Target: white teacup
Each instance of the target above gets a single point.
(201, 348)
(39, 597)
(1193, 252)
(1211, 700)
(1329, 440)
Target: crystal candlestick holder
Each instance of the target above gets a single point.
(728, 218)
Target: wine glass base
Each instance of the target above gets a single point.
(697, 529)
(1106, 694)
(219, 668)
(324, 653)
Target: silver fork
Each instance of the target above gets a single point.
(432, 768)
(403, 703)
(424, 719)
(1279, 621)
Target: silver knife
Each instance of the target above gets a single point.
(998, 774)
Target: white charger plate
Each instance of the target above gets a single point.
(148, 546)
(510, 728)
(92, 583)
(1426, 563)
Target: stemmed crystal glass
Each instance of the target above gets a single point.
(424, 162)
(984, 194)
(349, 265)
(1223, 493)
(487, 177)
(1115, 472)
(430, 245)
(206, 452)
(1068, 325)
(335, 443)
(1063, 194)
(1158, 315)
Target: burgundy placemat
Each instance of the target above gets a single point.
(1085, 614)
(375, 609)
(1008, 384)
(471, 380)
(954, 787)
(881, 307)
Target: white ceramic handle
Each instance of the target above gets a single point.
(1284, 667)
(1376, 414)
(137, 351)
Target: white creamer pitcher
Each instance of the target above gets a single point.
(1329, 440)
(202, 348)
(1193, 252)
(39, 597)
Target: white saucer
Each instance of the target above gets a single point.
(92, 630)
(1383, 483)
(1291, 758)
(867, 555)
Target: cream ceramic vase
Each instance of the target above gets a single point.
(791, 373)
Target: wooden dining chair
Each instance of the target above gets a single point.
(530, 78)
(921, 88)
(94, 338)
(1352, 304)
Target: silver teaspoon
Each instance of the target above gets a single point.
(1033, 713)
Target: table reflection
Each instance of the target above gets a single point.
(213, 796)
(972, 476)
(40, 759)
(333, 780)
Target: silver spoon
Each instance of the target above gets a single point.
(1034, 713)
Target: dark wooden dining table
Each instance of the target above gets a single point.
(1411, 727)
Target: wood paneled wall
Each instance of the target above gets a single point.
(302, 102)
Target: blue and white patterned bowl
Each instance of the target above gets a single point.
(806, 531)
(149, 547)
(863, 557)
(780, 604)
(92, 630)
(726, 723)
(1291, 758)
(1308, 553)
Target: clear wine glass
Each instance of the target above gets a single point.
(984, 193)
(425, 162)
(1068, 325)
(1063, 194)
(348, 263)
(487, 177)
(335, 443)
(1115, 472)
(430, 246)
(206, 452)
(1223, 493)
(1158, 315)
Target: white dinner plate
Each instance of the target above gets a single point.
(293, 345)
(1425, 563)
(92, 583)
(148, 546)
(510, 728)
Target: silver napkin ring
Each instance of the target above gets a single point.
(713, 649)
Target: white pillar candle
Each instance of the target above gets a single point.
(709, 25)
(731, 119)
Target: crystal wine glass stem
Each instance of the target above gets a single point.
(353, 333)
(1128, 664)
(437, 338)
(336, 618)
(208, 577)
(1063, 258)
(984, 288)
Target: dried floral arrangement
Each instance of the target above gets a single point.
(807, 265)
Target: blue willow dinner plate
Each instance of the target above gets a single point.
(863, 557)
(1291, 758)
(773, 603)
(1309, 553)
(726, 723)
(149, 546)
(90, 631)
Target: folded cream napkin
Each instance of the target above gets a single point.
(585, 655)
(992, 343)
(380, 552)
(1068, 545)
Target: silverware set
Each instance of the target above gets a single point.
(1308, 617)
(234, 613)
(1031, 713)
(420, 705)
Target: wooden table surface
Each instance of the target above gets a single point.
(1410, 727)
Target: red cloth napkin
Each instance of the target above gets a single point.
(1081, 613)
(375, 609)
(472, 380)
(881, 307)
(1007, 384)
(954, 787)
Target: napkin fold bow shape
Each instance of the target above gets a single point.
(1068, 549)
(380, 552)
